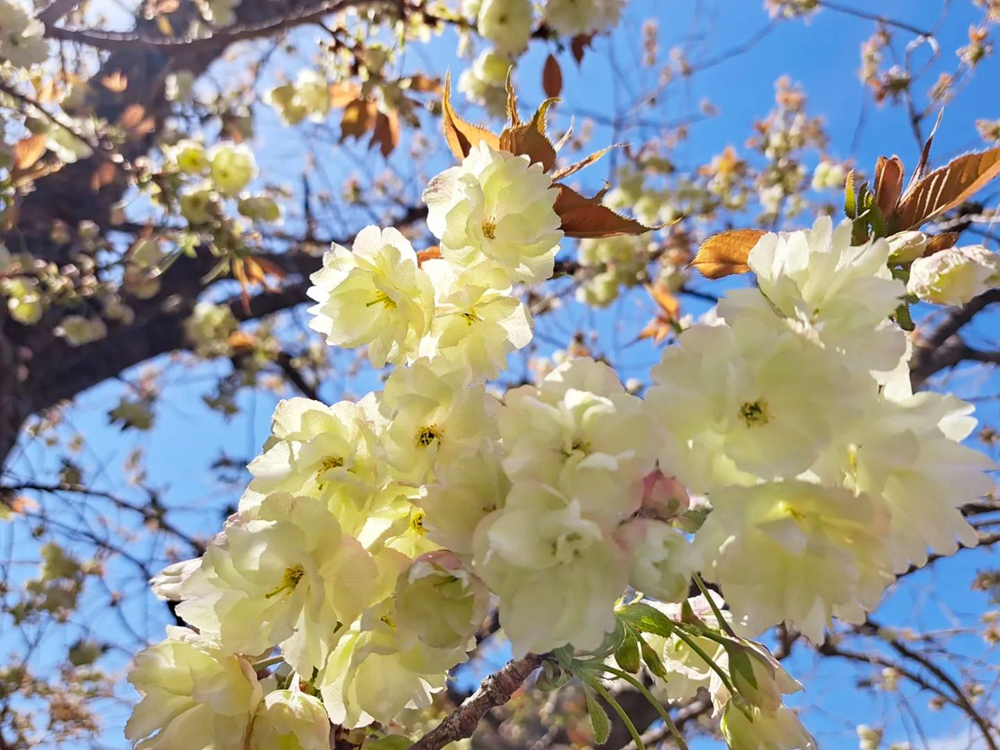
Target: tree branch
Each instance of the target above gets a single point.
(116, 40)
(496, 689)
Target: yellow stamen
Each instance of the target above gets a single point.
(384, 299)
(289, 581)
(427, 435)
(755, 413)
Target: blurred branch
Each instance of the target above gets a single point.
(114, 40)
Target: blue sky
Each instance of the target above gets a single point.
(822, 55)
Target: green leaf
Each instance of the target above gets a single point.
(903, 317)
(652, 659)
(646, 619)
(740, 665)
(627, 653)
(552, 677)
(598, 717)
(850, 200)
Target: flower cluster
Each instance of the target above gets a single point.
(22, 37)
(374, 535)
(793, 413)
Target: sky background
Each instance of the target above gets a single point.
(821, 54)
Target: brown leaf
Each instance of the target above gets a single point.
(586, 217)
(530, 140)
(359, 117)
(925, 155)
(49, 91)
(460, 135)
(512, 113)
(103, 175)
(726, 253)
(241, 342)
(579, 44)
(552, 81)
(888, 183)
(574, 168)
(115, 82)
(940, 242)
(28, 151)
(669, 313)
(386, 133)
(343, 93)
(431, 253)
(132, 116)
(670, 306)
(425, 84)
(946, 187)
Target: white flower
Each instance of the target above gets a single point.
(506, 23)
(328, 452)
(378, 669)
(79, 330)
(193, 695)
(290, 720)
(259, 208)
(738, 403)
(557, 573)
(581, 432)
(308, 97)
(499, 207)
(209, 328)
(22, 38)
(573, 17)
(909, 452)
(483, 82)
(430, 414)
(439, 601)
(375, 295)
(466, 490)
(281, 574)
(839, 294)
(954, 276)
(196, 203)
(687, 671)
(25, 301)
(798, 552)
(764, 730)
(661, 559)
(232, 167)
(190, 156)
(477, 320)
(221, 13)
(907, 246)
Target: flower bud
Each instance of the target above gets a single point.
(954, 276)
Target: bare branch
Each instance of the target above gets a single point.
(496, 689)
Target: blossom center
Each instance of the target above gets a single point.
(289, 581)
(755, 413)
(417, 523)
(382, 297)
(489, 229)
(569, 546)
(471, 317)
(427, 435)
(331, 462)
